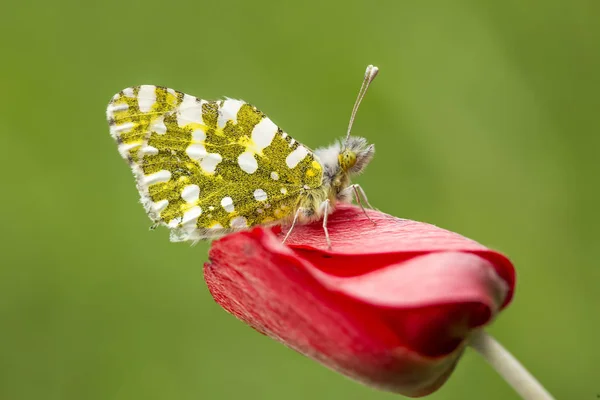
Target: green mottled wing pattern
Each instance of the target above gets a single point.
(208, 168)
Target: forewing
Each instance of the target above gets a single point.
(207, 168)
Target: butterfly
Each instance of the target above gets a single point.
(208, 168)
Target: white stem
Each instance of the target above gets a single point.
(508, 367)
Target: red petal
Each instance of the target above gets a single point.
(397, 320)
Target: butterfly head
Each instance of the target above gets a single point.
(355, 155)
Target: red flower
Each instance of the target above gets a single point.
(391, 305)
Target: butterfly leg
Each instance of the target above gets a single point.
(325, 207)
(298, 211)
(358, 192)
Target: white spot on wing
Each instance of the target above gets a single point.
(160, 205)
(263, 133)
(296, 156)
(229, 111)
(128, 92)
(158, 126)
(198, 135)
(283, 191)
(196, 151)
(124, 148)
(191, 215)
(174, 222)
(260, 195)
(190, 193)
(189, 111)
(247, 162)
(210, 162)
(149, 150)
(227, 204)
(157, 177)
(238, 222)
(129, 146)
(274, 175)
(123, 128)
(113, 108)
(146, 97)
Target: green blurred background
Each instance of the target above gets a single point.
(486, 119)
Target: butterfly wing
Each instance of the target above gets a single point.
(208, 168)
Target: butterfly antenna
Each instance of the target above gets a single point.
(370, 74)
